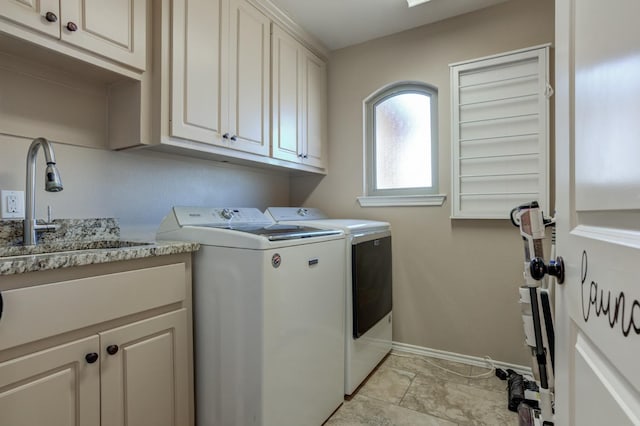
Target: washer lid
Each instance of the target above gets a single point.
(289, 232)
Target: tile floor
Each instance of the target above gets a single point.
(407, 390)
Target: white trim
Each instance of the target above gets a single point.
(498, 55)
(455, 357)
(285, 21)
(374, 196)
(402, 200)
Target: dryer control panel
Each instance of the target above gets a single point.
(281, 214)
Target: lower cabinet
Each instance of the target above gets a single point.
(54, 387)
(130, 375)
(143, 366)
(112, 348)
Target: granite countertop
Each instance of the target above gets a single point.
(76, 242)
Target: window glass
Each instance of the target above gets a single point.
(401, 140)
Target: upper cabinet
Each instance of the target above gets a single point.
(227, 80)
(115, 30)
(298, 101)
(220, 74)
(40, 15)
(230, 86)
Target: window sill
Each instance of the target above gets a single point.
(400, 201)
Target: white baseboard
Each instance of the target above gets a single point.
(463, 359)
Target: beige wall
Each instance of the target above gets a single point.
(137, 187)
(455, 281)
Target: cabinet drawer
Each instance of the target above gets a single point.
(46, 310)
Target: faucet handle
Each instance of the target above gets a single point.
(48, 225)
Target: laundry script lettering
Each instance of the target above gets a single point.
(624, 312)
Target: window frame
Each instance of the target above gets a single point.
(399, 196)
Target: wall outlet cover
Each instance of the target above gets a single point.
(12, 204)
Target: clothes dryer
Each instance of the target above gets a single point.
(368, 287)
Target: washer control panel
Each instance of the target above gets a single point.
(221, 217)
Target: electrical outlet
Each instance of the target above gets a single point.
(12, 203)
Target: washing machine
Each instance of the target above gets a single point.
(368, 287)
(268, 305)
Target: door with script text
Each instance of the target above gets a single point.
(598, 212)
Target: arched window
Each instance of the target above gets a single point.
(401, 140)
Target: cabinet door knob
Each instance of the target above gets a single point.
(91, 357)
(225, 136)
(72, 27)
(112, 349)
(234, 138)
(51, 17)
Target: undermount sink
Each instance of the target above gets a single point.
(10, 251)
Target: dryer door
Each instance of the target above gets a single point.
(371, 281)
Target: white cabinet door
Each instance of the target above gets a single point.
(315, 110)
(286, 96)
(220, 81)
(196, 100)
(597, 178)
(298, 101)
(144, 370)
(115, 29)
(53, 387)
(247, 79)
(33, 14)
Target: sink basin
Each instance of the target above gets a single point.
(64, 246)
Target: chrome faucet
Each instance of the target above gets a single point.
(52, 183)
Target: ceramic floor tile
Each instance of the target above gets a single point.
(387, 384)
(431, 396)
(426, 366)
(491, 382)
(459, 403)
(361, 411)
